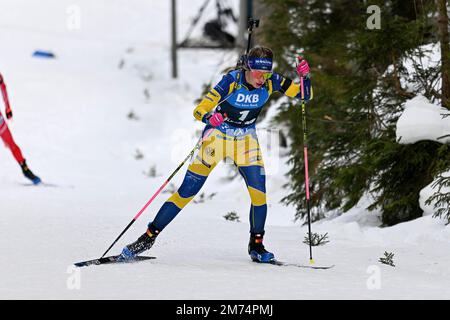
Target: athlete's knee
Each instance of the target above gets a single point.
(191, 185)
(254, 177)
(257, 197)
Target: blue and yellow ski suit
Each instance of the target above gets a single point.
(234, 139)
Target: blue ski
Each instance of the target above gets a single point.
(111, 259)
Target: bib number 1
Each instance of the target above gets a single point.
(243, 114)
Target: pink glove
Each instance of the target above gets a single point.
(302, 67)
(216, 119)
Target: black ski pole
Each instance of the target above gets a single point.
(305, 155)
(160, 189)
(189, 156)
(252, 23)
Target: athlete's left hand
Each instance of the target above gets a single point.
(302, 67)
(9, 114)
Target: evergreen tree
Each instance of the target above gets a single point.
(359, 96)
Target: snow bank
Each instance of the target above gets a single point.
(422, 120)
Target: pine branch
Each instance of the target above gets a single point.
(387, 259)
(232, 216)
(441, 199)
(316, 239)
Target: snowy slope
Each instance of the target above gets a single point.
(71, 123)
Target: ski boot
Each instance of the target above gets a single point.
(143, 243)
(257, 251)
(30, 175)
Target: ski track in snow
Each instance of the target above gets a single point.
(71, 123)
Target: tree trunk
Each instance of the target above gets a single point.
(445, 51)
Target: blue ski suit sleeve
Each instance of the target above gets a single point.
(291, 89)
(215, 96)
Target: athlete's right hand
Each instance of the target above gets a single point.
(216, 119)
(8, 114)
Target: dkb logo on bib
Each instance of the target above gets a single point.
(247, 98)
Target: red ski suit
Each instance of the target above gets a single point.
(5, 134)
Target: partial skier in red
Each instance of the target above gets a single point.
(7, 138)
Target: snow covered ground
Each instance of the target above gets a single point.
(71, 121)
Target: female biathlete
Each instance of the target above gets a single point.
(230, 109)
